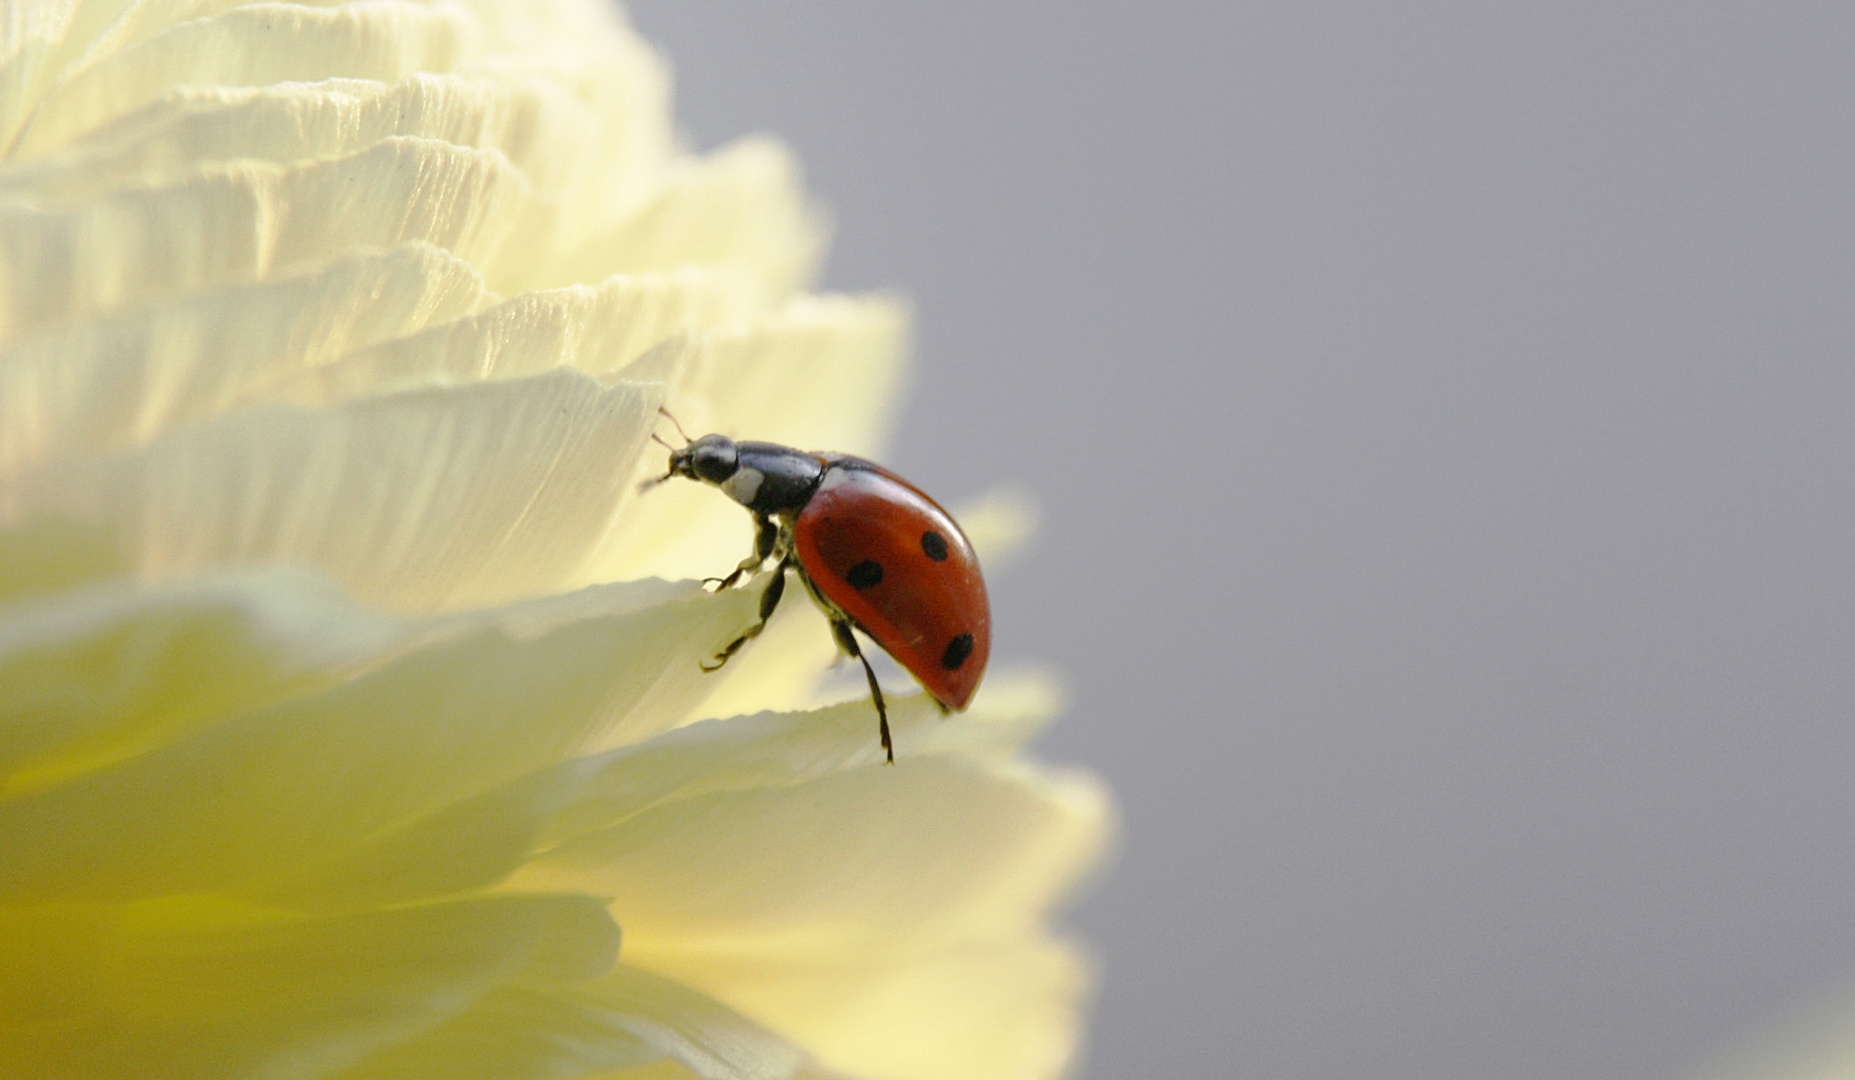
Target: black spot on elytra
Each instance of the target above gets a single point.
(935, 545)
(958, 650)
(865, 574)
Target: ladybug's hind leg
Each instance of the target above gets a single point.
(766, 539)
(769, 602)
(847, 638)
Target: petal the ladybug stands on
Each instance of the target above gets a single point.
(876, 553)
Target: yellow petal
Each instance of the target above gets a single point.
(896, 861)
(112, 382)
(274, 796)
(50, 556)
(1001, 1010)
(566, 125)
(225, 224)
(32, 37)
(598, 329)
(478, 841)
(624, 1018)
(102, 675)
(190, 987)
(447, 497)
(382, 40)
(740, 206)
(869, 914)
(748, 753)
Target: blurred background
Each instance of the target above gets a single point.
(1442, 418)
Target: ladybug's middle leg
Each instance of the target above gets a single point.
(847, 638)
(769, 601)
(766, 538)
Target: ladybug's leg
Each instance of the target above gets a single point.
(766, 538)
(769, 600)
(848, 639)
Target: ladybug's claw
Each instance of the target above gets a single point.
(769, 600)
(723, 584)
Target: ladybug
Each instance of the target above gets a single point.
(874, 551)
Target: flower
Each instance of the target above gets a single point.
(351, 722)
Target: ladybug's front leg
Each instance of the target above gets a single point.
(766, 538)
(769, 600)
(847, 638)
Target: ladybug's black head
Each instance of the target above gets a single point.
(712, 459)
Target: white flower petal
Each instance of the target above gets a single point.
(867, 913)
(624, 1018)
(481, 840)
(770, 750)
(823, 373)
(226, 224)
(103, 675)
(897, 862)
(382, 40)
(740, 206)
(447, 498)
(50, 556)
(30, 40)
(598, 329)
(116, 381)
(537, 121)
(193, 987)
(272, 797)
(1003, 1010)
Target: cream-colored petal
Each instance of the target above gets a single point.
(624, 1018)
(710, 1039)
(226, 224)
(51, 555)
(110, 672)
(1001, 1010)
(777, 750)
(597, 329)
(896, 862)
(193, 987)
(864, 911)
(381, 40)
(274, 796)
(740, 206)
(537, 123)
(536, 25)
(479, 841)
(33, 44)
(442, 498)
(824, 373)
(117, 381)
(623, 86)
(514, 1033)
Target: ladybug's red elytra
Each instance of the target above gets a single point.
(876, 553)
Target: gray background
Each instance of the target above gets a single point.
(1443, 418)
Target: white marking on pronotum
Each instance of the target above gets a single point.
(833, 477)
(743, 485)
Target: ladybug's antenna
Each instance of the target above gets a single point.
(649, 484)
(679, 427)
